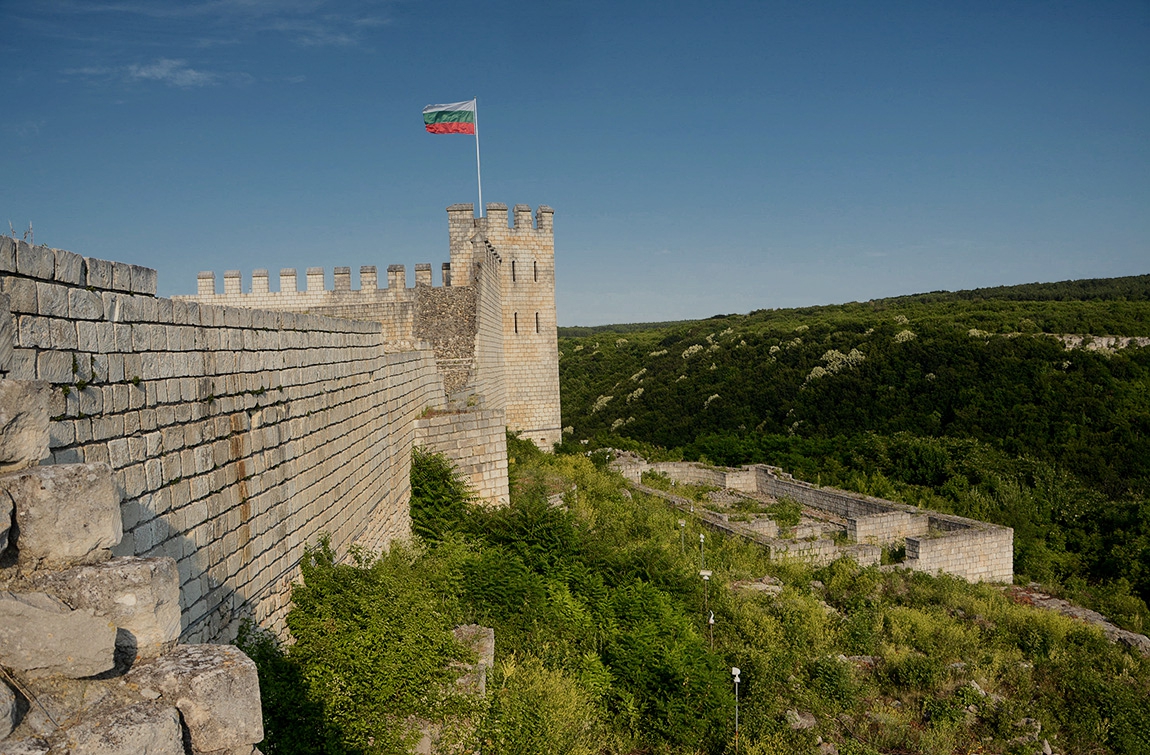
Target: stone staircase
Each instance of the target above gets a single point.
(89, 653)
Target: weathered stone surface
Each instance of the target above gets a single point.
(216, 689)
(801, 720)
(30, 746)
(39, 633)
(23, 423)
(137, 729)
(6, 508)
(8, 710)
(67, 513)
(140, 596)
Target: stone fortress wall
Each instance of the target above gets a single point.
(235, 436)
(491, 323)
(935, 542)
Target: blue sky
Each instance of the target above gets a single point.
(702, 157)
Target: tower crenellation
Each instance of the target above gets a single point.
(491, 321)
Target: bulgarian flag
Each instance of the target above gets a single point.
(452, 118)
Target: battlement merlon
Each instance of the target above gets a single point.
(464, 229)
(314, 281)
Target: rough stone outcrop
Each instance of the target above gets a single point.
(40, 634)
(216, 689)
(23, 423)
(142, 727)
(8, 710)
(138, 595)
(67, 513)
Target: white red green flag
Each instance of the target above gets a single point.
(452, 118)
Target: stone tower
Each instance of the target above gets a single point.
(525, 254)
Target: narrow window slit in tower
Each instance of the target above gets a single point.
(536, 322)
(535, 270)
(516, 316)
(512, 271)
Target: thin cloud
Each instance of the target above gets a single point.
(307, 23)
(173, 72)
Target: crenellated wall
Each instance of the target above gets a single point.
(491, 325)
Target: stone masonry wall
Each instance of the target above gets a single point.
(235, 436)
(978, 555)
(476, 441)
(886, 529)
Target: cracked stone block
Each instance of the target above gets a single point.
(216, 689)
(23, 423)
(65, 513)
(140, 596)
(8, 710)
(140, 728)
(40, 634)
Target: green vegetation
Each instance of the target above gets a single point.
(966, 402)
(602, 643)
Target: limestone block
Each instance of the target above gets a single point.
(23, 423)
(99, 273)
(40, 634)
(85, 305)
(7, 254)
(143, 280)
(144, 727)
(8, 710)
(216, 689)
(140, 596)
(481, 641)
(35, 261)
(69, 267)
(67, 513)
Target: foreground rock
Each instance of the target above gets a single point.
(66, 514)
(216, 689)
(140, 596)
(40, 634)
(23, 423)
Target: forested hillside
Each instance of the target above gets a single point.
(1022, 405)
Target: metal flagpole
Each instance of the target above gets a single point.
(478, 173)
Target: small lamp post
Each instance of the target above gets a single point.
(735, 673)
(702, 560)
(683, 535)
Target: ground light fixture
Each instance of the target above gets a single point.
(702, 560)
(683, 535)
(735, 673)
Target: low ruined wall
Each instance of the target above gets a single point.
(978, 555)
(935, 542)
(884, 529)
(476, 442)
(235, 436)
(838, 502)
